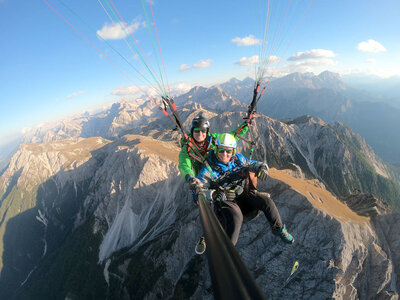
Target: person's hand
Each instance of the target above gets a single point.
(219, 196)
(249, 118)
(195, 183)
(262, 172)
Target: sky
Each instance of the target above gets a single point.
(59, 58)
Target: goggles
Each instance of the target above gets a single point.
(200, 130)
(228, 151)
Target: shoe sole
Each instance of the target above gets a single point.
(199, 252)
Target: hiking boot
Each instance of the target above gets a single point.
(284, 235)
(201, 246)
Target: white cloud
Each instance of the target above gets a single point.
(246, 41)
(248, 61)
(312, 54)
(134, 91)
(180, 88)
(137, 91)
(314, 66)
(184, 67)
(75, 94)
(272, 60)
(371, 61)
(24, 130)
(204, 63)
(370, 46)
(118, 31)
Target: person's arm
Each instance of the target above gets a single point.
(205, 177)
(241, 130)
(260, 169)
(185, 165)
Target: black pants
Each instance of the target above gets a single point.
(230, 213)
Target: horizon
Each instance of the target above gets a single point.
(12, 137)
(53, 73)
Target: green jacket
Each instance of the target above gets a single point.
(189, 166)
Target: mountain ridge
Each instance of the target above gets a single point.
(326, 96)
(109, 216)
(157, 262)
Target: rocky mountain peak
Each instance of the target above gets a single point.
(306, 119)
(327, 75)
(234, 80)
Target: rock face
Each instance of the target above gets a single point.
(331, 153)
(90, 218)
(135, 227)
(366, 204)
(213, 98)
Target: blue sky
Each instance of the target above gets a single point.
(49, 71)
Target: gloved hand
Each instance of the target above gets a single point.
(219, 196)
(194, 183)
(262, 172)
(249, 118)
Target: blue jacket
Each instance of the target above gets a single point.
(234, 168)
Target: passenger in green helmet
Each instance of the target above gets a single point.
(232, 191)
(203, 140)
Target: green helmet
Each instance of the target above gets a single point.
(226, 140)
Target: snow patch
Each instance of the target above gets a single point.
(41, 218)
(106, 273)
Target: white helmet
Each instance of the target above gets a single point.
(226, 140)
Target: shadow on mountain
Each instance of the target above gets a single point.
(37, 233)
(13, 182)
(47, 256)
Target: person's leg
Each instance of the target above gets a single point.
(256, 200)
(231, 219)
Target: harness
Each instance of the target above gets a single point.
(202, 150)
(227, 184)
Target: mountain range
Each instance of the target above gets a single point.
(326, 96)
(93, 207)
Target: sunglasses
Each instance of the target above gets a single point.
(199, 130)
(221, 150)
